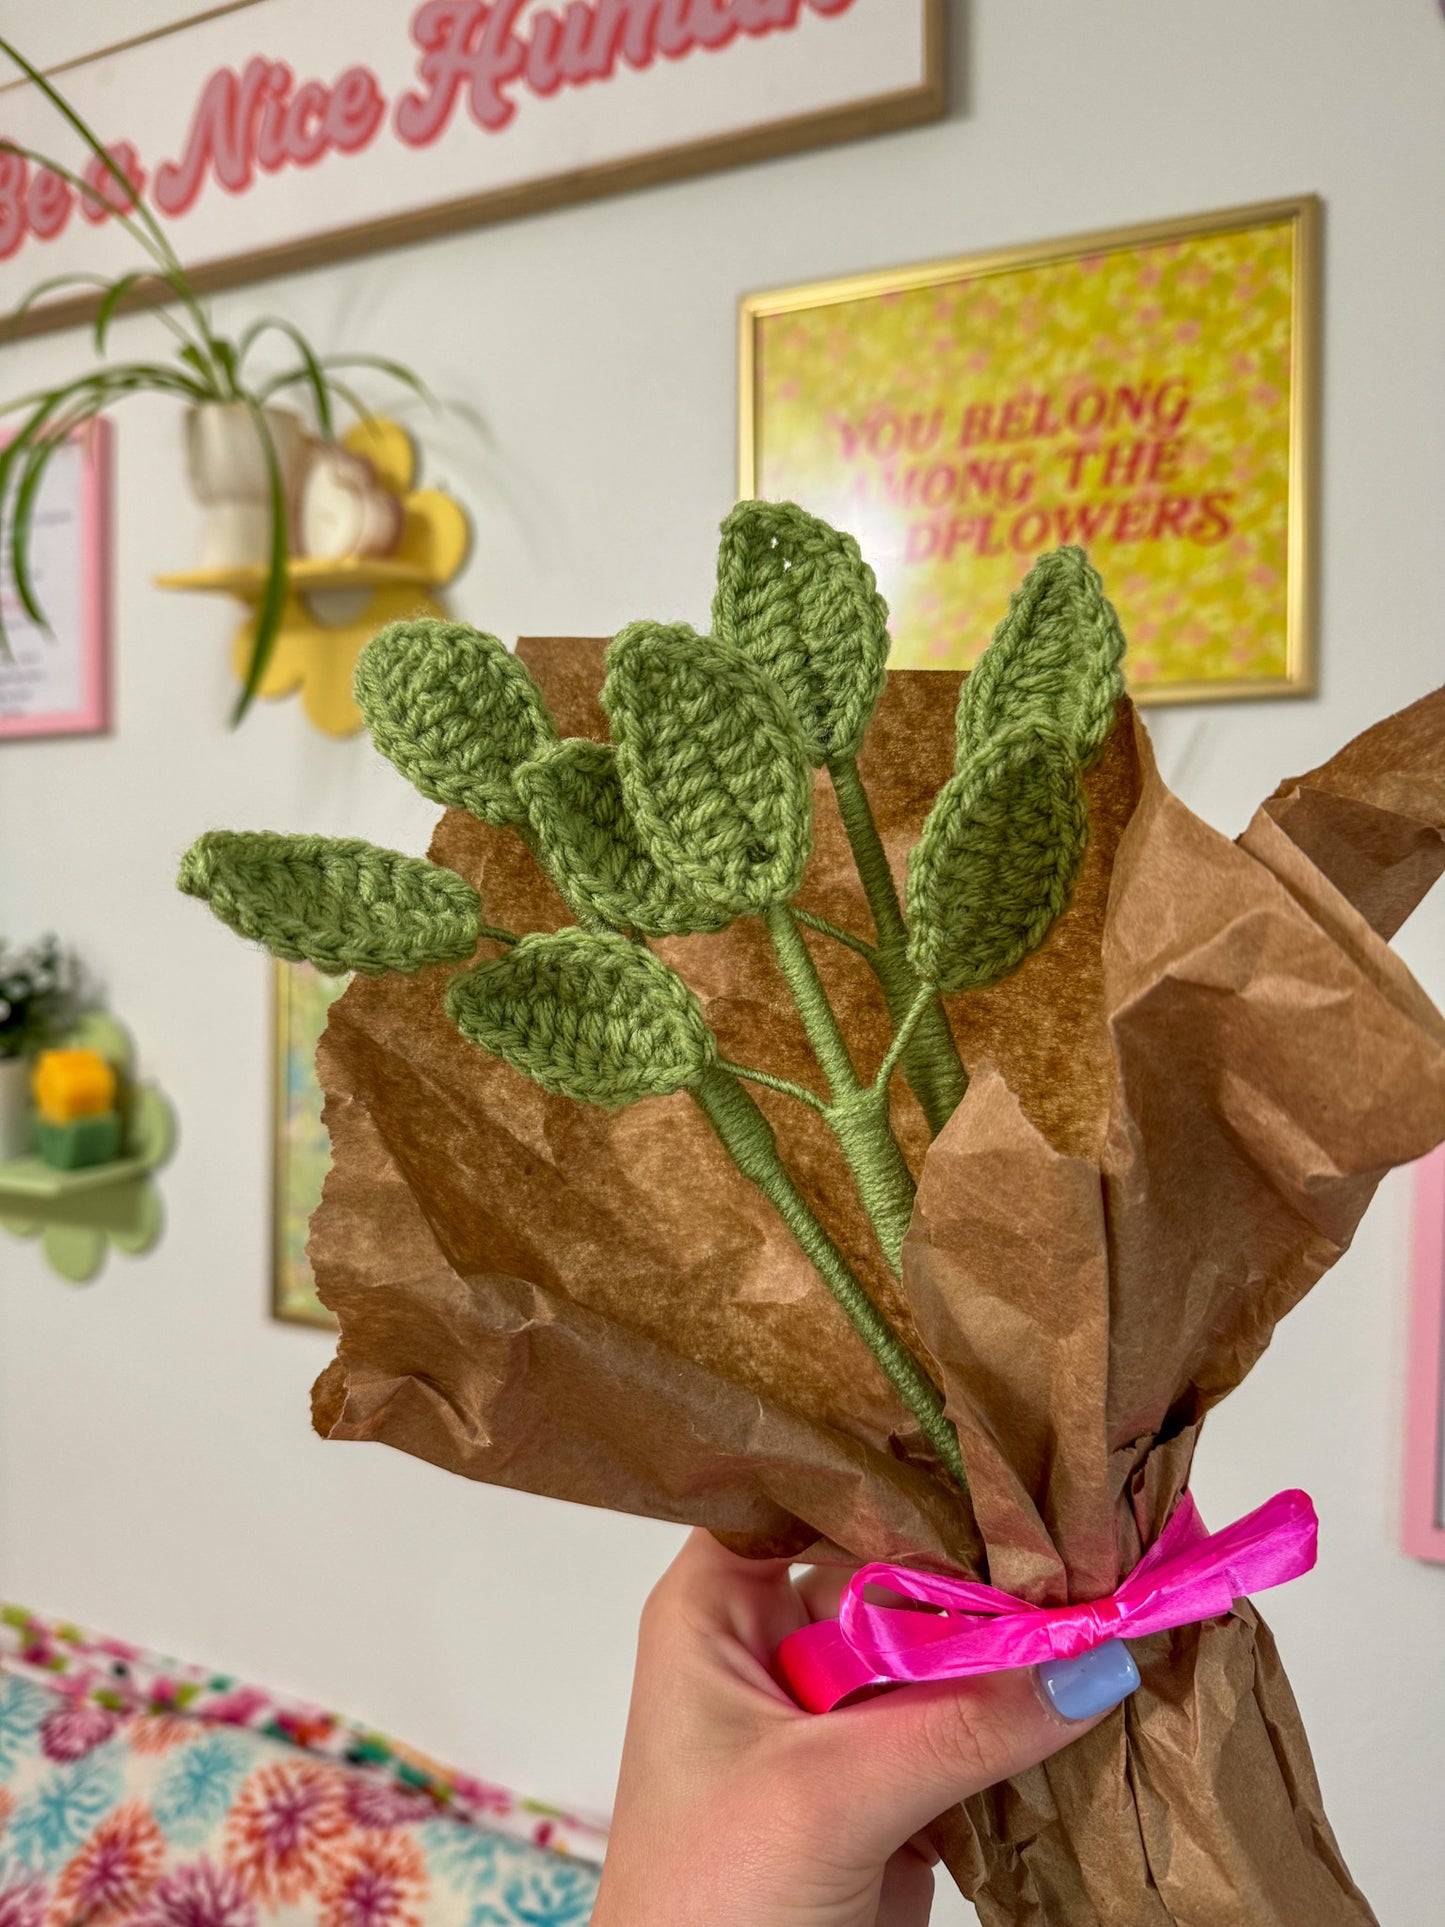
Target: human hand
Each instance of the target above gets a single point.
(737, 1809)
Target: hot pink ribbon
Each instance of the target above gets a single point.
(1188, 1574)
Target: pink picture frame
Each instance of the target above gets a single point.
(59, 684)
(1423, 1523)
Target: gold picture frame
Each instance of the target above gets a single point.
(300, 1154)
(793, 343)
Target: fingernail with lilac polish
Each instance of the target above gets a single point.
(1079, 1688)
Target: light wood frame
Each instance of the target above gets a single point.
(859, 120)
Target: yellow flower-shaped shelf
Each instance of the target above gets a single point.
(333, 608)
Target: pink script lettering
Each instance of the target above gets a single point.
(480, 50)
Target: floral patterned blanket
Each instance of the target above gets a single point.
(136, 1792)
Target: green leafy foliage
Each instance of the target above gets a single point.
(797, 598)
(273, 593)
(588, 846)
(714, 768)
(335, 902)
(596, 1018)
(40, 995)
(309, 371)
(700, 811)
(207, 368)
(997, 859)
(1055, 659)
(456, 712)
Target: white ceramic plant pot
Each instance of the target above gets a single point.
(14, 1107)
(229, 475)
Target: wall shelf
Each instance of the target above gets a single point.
(78, 1215)
(306, 575)
(32, 1177)
(334, 607)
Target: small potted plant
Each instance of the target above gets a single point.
(39, 1000)
(245, 454)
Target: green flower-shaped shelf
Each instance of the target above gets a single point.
(77, 1214)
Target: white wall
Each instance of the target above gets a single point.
(157, 1477)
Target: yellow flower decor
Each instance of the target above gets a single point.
(72, 1083)
(323, 632)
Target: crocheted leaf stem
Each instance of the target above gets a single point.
(700, 811)
(749, 1139)
(931, 1063)
(858, 1113)
(455, 712)
(796, 597)
(1057, 655)
(717, 786)
(997, 858)
(335, 902)
(601, 1020)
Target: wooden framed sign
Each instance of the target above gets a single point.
(1145, 393)
(55, 681)
(277, 134)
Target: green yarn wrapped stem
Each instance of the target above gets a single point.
(931, 1062)
(796, 963)
(885, 1184)
(748, 1139)
(858, 1114)
(826, 929)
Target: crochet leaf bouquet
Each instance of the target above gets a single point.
(653, 1098)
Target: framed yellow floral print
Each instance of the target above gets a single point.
(301, 1151)
(1146, 393)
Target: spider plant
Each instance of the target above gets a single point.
(203, 367)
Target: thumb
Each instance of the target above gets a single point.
(902, 1759)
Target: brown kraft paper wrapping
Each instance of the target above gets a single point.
(1179, 1109)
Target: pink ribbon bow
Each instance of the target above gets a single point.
(1188, 1574)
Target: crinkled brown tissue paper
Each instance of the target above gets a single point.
(1178, 1111)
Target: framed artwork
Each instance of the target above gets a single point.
(274, 135)
(1146, 393)
(302, 1152)
(55, 681)
(1424, 1484)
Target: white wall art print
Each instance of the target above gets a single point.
(282, 133)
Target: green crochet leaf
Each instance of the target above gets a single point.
(1056, 658)
(796, 596)
(455, 712)
(714, 768)
(589, 848)
(335, 902)
(997, 859)
(598, 1019)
